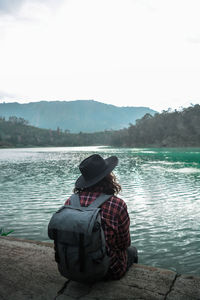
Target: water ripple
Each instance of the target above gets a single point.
(161, 188)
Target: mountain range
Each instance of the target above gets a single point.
(75, 116)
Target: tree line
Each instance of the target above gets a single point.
(166, 129)
(16, 132)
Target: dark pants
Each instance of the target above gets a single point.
(132, 256)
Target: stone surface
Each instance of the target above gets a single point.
(186, 287)
(28, 271)
(141, 282)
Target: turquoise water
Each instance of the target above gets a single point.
(160, 186)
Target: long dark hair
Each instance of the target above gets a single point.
(108, 185)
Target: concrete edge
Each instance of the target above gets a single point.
(20, 240)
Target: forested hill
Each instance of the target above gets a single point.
(166, 129)
(75, 116)
(17, 133)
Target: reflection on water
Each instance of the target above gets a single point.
(160, 186)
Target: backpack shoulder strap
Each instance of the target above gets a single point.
(99, 201)
(75, 201)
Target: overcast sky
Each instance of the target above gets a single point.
(122, 52)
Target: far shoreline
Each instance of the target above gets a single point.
(103, 146)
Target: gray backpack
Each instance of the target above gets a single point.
(80, 248)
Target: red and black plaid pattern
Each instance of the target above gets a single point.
(115, 223)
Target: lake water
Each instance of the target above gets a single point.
(160, 186)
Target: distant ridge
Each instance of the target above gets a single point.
(75, 116)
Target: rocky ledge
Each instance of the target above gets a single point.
(28, 271)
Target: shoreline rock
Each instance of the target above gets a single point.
(28, 271)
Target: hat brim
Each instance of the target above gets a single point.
(111, 162)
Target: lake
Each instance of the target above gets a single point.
(160, 186)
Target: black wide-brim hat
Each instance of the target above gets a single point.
(94, 169)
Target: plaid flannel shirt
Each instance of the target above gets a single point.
(115, 223)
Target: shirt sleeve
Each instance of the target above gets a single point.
(67, 202)
(124, 240)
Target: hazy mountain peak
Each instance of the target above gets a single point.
(76, 116)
